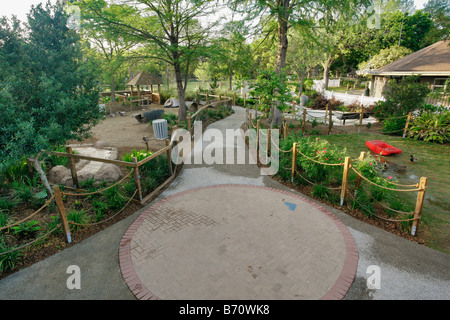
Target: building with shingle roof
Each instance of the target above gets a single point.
(431, 64)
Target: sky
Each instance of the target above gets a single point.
(21, 7)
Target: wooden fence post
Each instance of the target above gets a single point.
(304, 122)
(330, 121)
(361, 116)
(250, 124)
(419, 204)
(169, 157)
(62, 212)
(326, 114)
(188, 119)
(73, 169)
(207, 98)
(362, 156)
(407, 124)
(137, 179)
(294, 161)
(269, 142)
(345, 179)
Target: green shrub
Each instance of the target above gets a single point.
(8, 260)
(114, 198)
(27, 228)
(320, 191)
(3, 218)
(394, 126)
(77, 216)
(432, 127)
(8, 203)
(140, 155)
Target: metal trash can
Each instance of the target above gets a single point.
(160, 129)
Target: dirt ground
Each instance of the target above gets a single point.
(124, 132)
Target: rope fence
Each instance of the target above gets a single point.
(420, 187)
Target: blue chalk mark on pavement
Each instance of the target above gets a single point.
(291, 206)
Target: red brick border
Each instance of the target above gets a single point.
(337, 292)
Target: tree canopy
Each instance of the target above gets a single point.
(47, 94)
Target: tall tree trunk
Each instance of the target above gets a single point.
(301, 78)
(231, 77)
(38, 167)
(283, 16)
(180, 92)
(326, 72)
(113, 89)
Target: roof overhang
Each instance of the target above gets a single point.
(410, 73)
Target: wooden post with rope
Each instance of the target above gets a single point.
(73, 169)
(407, 124)
(294, 161)
(362, 156)
(137, 179)
(345, 180)
(62, 213)
(419, 204)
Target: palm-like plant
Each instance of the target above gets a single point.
(432, 127)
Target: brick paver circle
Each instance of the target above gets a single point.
(237, 242)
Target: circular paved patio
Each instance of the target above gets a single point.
(237, 242)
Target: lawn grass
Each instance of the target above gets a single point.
(433, 163)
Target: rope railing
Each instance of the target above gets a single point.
(386, 207)
(30, 216)
(31, 242)
(383, 187)
(98, 191)
(419, 187)
(319, 162)
(107, 219)
(383, 218)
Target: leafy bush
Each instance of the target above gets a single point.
(402, 97)
(394, 126)
(77, 216)
(320, 191)
(320, 102)
(319, 150)
(27, 229)
(431, 126)
(8, 260)
(140, 155)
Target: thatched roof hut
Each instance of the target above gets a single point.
(144, 79)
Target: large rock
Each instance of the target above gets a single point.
(99, 171)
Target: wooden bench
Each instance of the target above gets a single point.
(352, 115)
